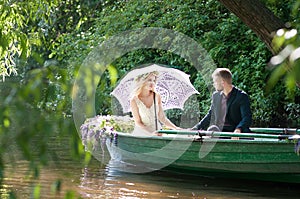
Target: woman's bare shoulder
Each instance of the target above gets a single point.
(133, 99)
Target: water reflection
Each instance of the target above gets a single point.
(160, 184)
(98, 180)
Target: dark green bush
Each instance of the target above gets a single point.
(227, 40)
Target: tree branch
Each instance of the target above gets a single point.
(257, 17)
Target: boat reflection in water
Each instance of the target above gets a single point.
(109, 182)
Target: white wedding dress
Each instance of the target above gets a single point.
(148, 118)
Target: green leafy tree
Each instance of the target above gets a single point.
(35, 102)
(226, 38)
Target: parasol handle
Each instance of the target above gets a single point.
(155, 114)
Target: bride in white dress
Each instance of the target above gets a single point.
(142, 106)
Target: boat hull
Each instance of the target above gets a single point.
(259, 159)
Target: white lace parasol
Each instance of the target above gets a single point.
(173, 85)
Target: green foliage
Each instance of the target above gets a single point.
(286, 69)
(13, 42)
(28, 123)
(293, 113)
(229, 42)
(70, 195)
(287, 61)
(56, 187)
(31, 28)
(37, 192)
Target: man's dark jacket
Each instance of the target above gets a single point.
(238, 113)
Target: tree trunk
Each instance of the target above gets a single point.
(257, 17)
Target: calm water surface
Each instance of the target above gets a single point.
(97, 180)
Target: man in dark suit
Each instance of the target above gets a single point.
(230, 107)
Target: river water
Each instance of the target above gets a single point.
(98, 180)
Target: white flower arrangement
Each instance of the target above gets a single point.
(100, 127)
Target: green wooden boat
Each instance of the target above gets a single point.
(266, 154)
(269, 154)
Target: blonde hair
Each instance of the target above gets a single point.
(224, 73)
(140, 81)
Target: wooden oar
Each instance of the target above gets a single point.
(230, 134)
